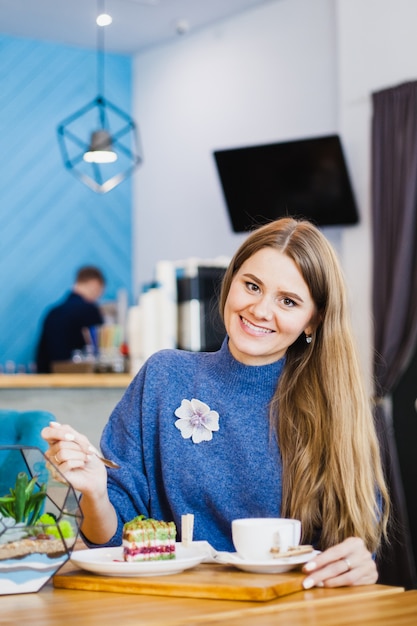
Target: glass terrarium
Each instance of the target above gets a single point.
(40, 519)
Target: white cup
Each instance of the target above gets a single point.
(262, 538)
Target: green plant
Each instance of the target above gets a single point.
(51, 526)
(23, 503)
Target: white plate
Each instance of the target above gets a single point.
(109, 562)
(273, 566)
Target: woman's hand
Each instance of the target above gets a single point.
(73, 455)
(345, 564)
(75, 458)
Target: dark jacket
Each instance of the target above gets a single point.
(62, 330)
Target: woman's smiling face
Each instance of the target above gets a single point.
(267, 308)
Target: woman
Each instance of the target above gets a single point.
(276, 423)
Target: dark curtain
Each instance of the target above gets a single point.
(394, 216)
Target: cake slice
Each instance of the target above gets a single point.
(148, 540)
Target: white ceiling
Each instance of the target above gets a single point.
(137, 24)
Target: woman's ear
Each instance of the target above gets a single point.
(312, 327)
(315, 322)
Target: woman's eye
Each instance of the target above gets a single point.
(288, 302)
(252, 287)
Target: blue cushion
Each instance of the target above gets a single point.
(19, 428)
(24, 427)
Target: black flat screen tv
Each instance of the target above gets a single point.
(306, 178)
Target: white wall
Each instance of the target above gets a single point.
(289, 69)
(266, 75)
(377, 49)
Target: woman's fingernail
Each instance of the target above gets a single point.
(69, 437)
(92, 449)
(310, 566)
(54, 424)
(308, 583)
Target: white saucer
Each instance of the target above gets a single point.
(109, 562)
(272, 566)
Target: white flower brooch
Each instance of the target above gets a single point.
(196, 420)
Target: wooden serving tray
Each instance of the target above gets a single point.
(213, 581)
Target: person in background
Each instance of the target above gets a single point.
(277, 423)
(65, 326)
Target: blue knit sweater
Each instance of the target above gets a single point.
(162, 475)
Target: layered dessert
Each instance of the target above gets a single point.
(148, 540)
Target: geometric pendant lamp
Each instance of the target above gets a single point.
(100, 143)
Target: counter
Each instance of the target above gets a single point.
(76, 381)
(84, 401)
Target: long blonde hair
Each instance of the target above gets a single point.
(332, 478)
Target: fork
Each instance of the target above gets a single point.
(107, 462)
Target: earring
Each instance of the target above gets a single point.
(308, 338)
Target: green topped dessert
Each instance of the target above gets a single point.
(148, 540)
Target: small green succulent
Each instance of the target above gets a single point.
(23, 503)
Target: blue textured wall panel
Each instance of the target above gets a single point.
(50, 223)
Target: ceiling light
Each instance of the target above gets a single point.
(104, 19)
(110, 151)
(100, 149)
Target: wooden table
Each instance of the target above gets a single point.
(377, 610)
(373, 604)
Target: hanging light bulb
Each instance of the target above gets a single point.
(114, 138)
(100, 149)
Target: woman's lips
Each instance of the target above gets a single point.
(260, 330)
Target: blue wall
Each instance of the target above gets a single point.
(51, 223)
